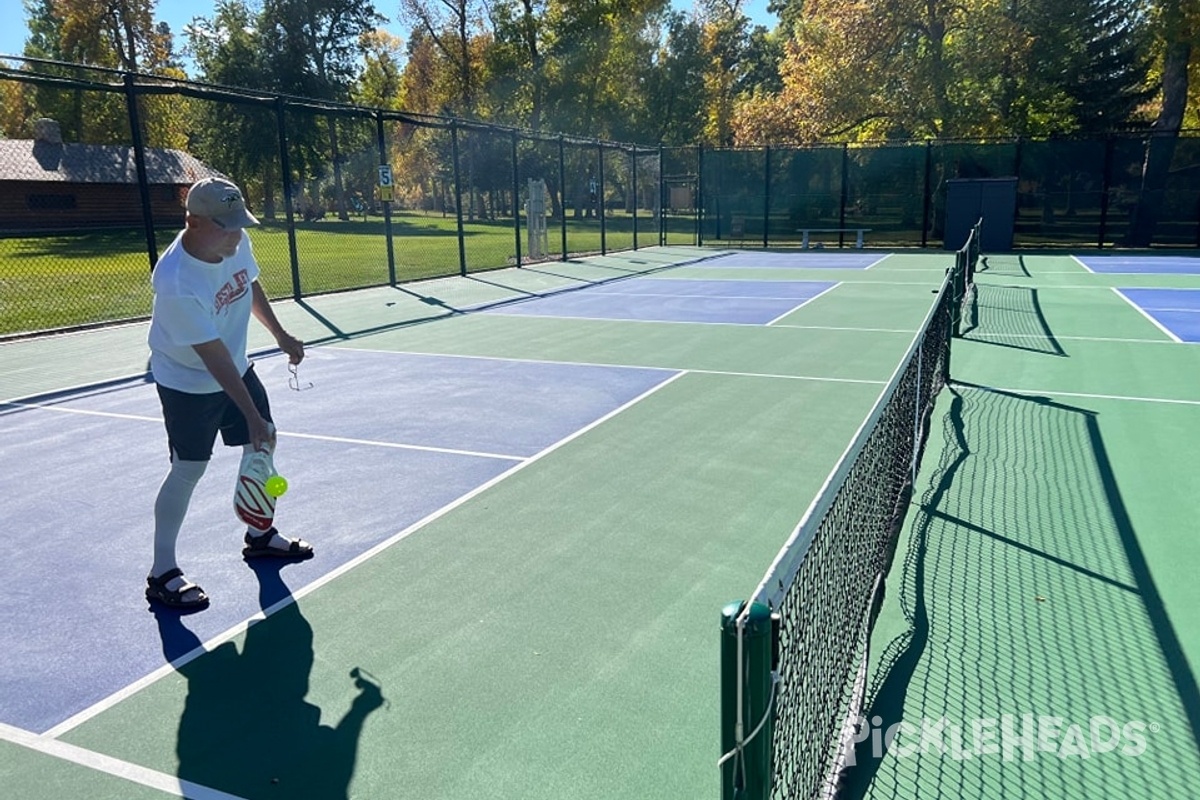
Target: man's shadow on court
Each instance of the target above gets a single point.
(246, 727)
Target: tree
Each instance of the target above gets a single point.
(447, 24)
(854, 69)
(725, 36)
(313, 49)
(676, 83)
(1177, 24)
(228, 50)
(116, 35)
(379, 83)
(517, 60)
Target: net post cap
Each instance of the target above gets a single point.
(758, 619)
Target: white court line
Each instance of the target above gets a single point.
(731, 373)
(813, 378)
(398, 446)
(1115, 339)
(1142, 311)
(167, 669)
(794, 308)
(83, 411)
(113, 766)
(1083, 395)
(852, 329)
(703, 296)
(286, 434)
(880, 260)
(1078, 261)
(500, 313)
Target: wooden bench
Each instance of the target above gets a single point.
(859, 233)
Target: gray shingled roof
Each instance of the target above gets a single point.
(32, 160)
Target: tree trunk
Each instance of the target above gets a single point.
(1160, 146)
(339, 192)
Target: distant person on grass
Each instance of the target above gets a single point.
(205, 289)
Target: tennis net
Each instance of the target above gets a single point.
(825, 585)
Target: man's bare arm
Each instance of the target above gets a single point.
(219, 362)
(293, 347)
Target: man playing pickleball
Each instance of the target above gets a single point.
(205, 289)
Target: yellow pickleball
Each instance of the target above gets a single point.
(276, 485)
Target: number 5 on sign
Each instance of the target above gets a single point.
(385, 183)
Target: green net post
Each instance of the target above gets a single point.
(746, 769)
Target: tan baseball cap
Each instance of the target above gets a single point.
(221, 201)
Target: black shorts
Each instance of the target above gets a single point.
(193, 420)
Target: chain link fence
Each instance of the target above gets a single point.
(1084, 192)
(95, 163)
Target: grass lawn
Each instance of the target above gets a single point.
(71, 279)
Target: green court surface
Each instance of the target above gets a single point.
(556, 635)
(1046, 583)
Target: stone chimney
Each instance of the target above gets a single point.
(47, 130)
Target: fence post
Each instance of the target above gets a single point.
(927, 195)
(845, 195)
(699, 195)
(600, 198)
(458, 216)
(662, 198)
(516, 189)
(747, 724)
(285, 163)
(766, 196)
(387, 206)
(562, 193)
(633, 183)
(1109, 145)
(139, 161)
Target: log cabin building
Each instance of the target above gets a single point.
(49, 185)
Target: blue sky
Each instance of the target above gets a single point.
(178, 13)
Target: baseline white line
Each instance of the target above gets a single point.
(99, 762)
(127, 692)
(1083, 395)
(1143, 312)
(790, 311)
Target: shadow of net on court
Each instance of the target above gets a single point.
(1038, 659)
(1009, 316)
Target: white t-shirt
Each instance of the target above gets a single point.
(196, 302)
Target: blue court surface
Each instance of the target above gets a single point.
(379, 444)
(682, 300)
(805, 259)
(1141, 265)
(1175, 311)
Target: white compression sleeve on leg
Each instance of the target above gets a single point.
(170, 507)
